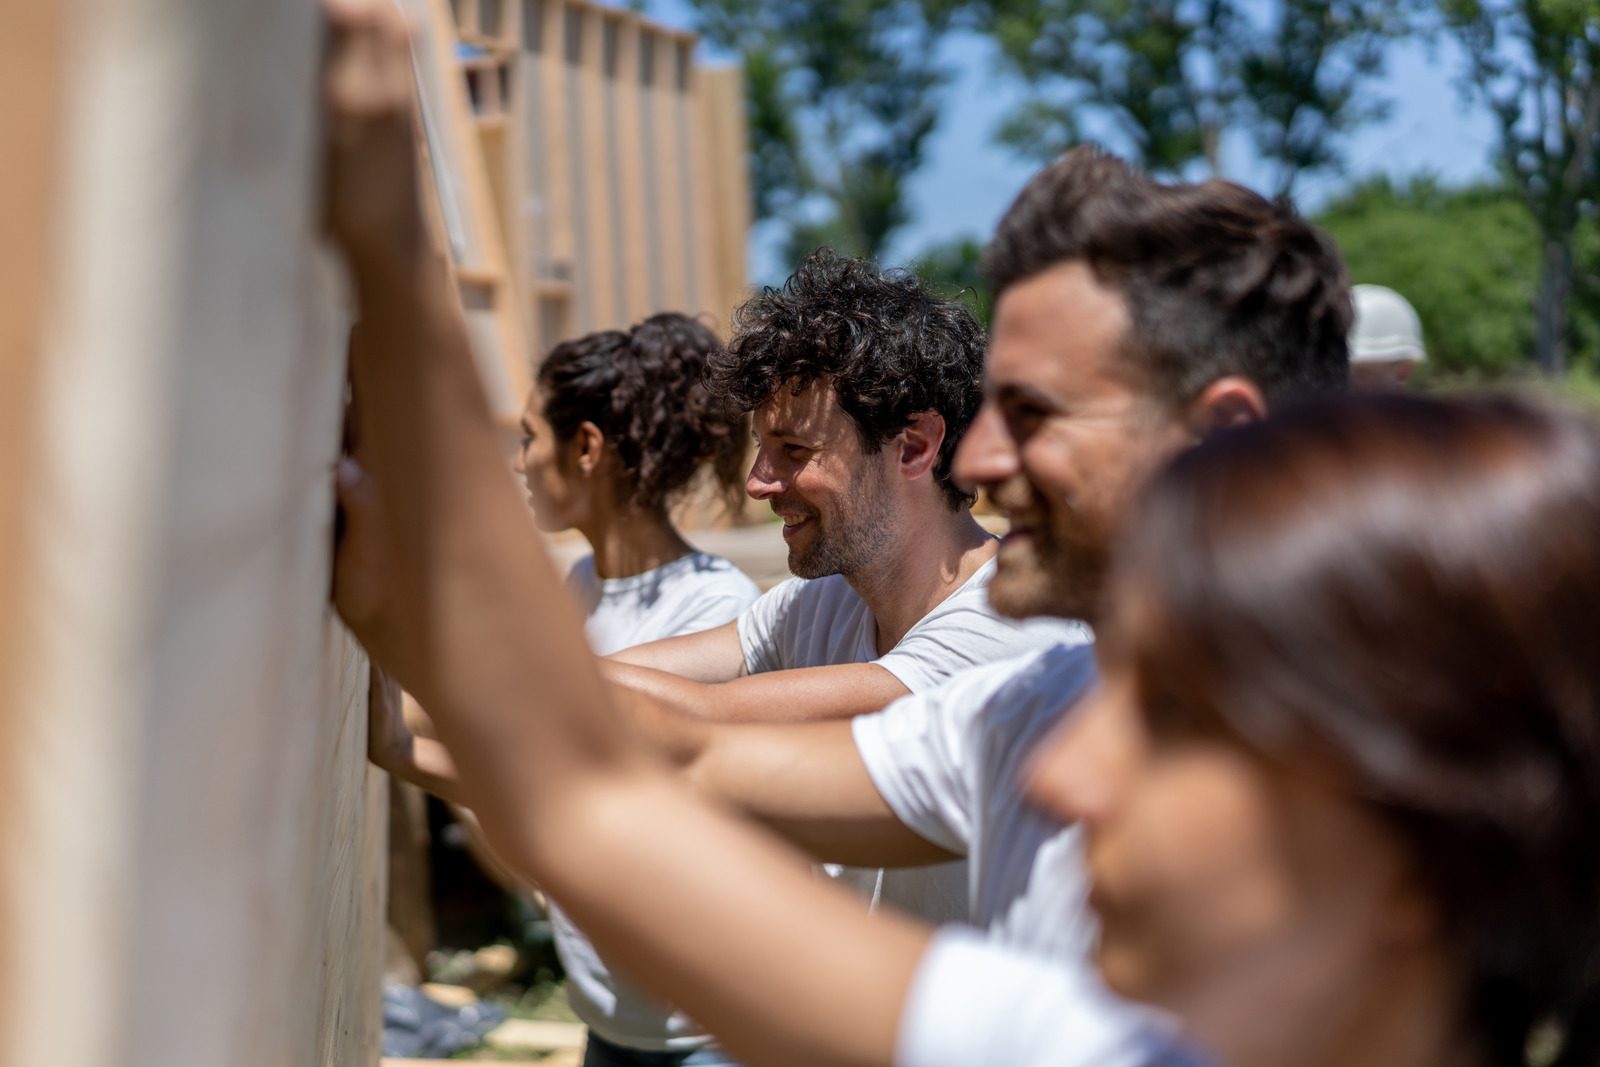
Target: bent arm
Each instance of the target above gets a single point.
(709, 656)
(473, 622)
(808, 694)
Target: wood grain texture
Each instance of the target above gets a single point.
(203, 836)
(30, 84)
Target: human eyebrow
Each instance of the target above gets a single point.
(1016, 394)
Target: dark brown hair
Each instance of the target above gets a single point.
(1402, 595)
(645, 389)
(1219, 280)
(889, 346)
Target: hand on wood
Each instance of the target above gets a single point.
(371, 201)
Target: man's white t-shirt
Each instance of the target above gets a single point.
(823, 622)
(693, 593)
(973, 1001)
(949, 764)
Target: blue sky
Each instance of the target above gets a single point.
(968, 180)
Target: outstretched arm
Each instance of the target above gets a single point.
(473, 622)
(809, 694)
(709, 656)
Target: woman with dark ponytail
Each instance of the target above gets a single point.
(1342, 785)
(616, 428)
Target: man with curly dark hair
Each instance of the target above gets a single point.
(860, 383)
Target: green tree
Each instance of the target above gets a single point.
(1467, 259)
(955, 270)
(842, 96)
(1537, 64)
(1163, 79)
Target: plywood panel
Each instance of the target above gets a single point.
(203, 833)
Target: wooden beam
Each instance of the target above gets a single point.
(727, 152)
(31, 79)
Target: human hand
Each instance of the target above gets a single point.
(371, 200)
(390, 744)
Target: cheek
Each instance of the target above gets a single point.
(1193, 874)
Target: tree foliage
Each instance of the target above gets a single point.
(842, 96)
(1537, 65)
(1163, 80)
(1467, 259)
(955, 271)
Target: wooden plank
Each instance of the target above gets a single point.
(702, 206)
(726, 149)
(597, 270)
(30, 83)
(202, 828)
(669, 173)
(460, 179)
(631, 176)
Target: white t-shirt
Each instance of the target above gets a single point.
(696, 592)
(948, 763)
(972, 1001)
(822, 622)
(692, 593)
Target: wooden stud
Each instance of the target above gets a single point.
(727, 150)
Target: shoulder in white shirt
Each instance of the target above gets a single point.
(972, 1001)
(949, 764)
(823, 621)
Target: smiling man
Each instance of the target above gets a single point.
(860, 384)
(1132, 319)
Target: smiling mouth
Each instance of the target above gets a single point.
(792, 523)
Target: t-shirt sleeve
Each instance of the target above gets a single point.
(923, 753)
(762, 627)
(965, 635)
(973, 1001)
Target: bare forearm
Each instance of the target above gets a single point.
(791, 971)
(427, 764)
(498, 625)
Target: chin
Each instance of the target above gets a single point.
(1125, 971)
(1021, 587)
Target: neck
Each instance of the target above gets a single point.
(1405, 1016)
(630, 541)
(932, 558)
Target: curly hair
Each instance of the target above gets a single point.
(645, 389)
(1219, 280)
(890, 349)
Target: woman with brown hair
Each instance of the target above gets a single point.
(1342, 783)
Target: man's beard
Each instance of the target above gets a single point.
(853, 538)
(1057, 567)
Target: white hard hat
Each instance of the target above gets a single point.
(1386, 328)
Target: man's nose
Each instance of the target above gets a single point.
(764, 481)
(987, 455)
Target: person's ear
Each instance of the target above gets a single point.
(1226, 402)
(919, 444)
(587, 449)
